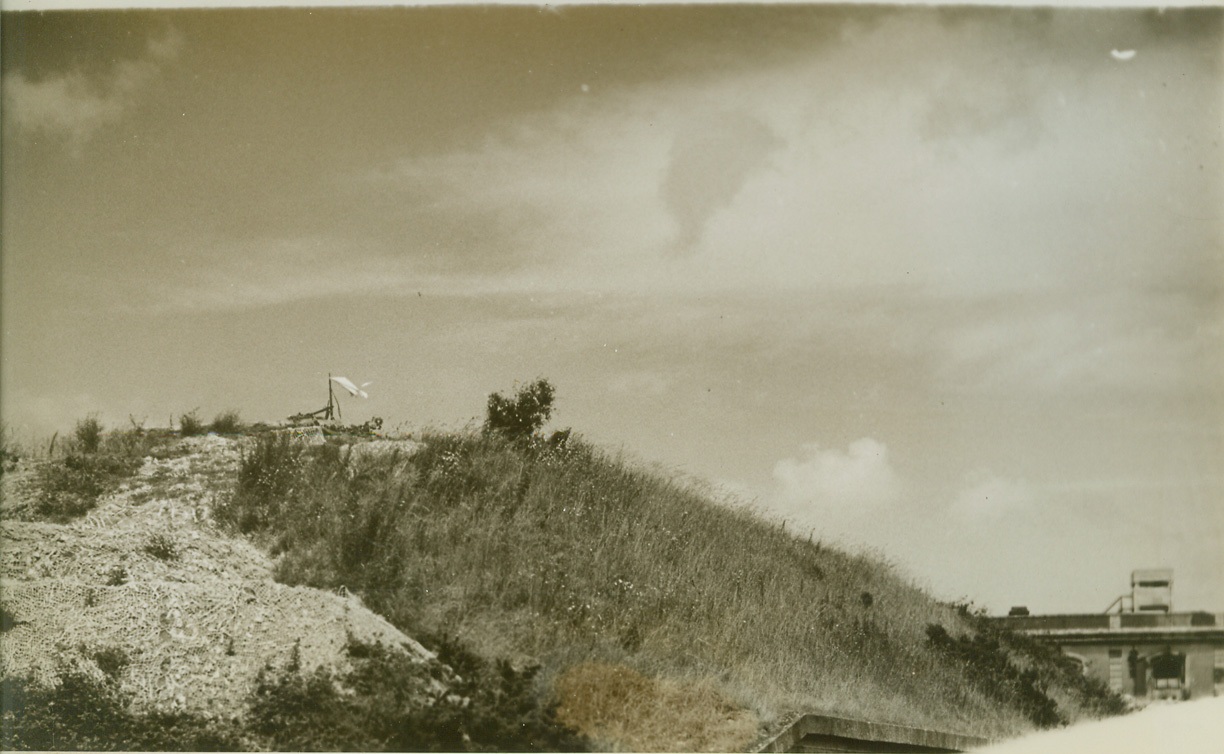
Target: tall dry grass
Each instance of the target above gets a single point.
(565, 555)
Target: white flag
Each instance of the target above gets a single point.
(348, 385)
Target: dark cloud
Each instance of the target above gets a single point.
(76, 102)
(710, 162)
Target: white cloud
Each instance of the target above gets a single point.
(988, 497)
(64, 104)
(838, 169)
(833, 481)
(74, 105)
(864, 165)
(575, 188)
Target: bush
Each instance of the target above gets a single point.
(390, 702)
(95, 464)
(88, 434)
(190, 424)
(989, 668)
(1054, 667)
(522, 416)
(83, 713)
(226, 423)
(70, 487)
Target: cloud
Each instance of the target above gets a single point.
(267, 272)
(1085, 341)
(710, 160)
(824, 481)
(864, 163)
(74, 105)
(569, 193)
(988, 497)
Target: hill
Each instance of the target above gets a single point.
(600, 599)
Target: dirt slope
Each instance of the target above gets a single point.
(147, 572)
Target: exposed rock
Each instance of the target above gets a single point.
(198, 616)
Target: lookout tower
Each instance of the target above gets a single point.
(1152, 590)
(1139, 646)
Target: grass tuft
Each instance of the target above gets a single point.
(270, 473)
(161, 546)
(190, 424)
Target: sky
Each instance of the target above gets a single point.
(943, 284)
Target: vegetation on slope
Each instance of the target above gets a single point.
(87, 465)
(92, 462)
(554, 552)
(385, 702)
(569, 588)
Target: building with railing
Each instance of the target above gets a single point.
(1141, 647)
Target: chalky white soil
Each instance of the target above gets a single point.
(197, 627)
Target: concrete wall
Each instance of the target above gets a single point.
(1200, 662)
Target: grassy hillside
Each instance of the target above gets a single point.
(574, 599)
(558, 554)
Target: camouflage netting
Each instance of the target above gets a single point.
(196, 612)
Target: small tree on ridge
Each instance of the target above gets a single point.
(520, 417)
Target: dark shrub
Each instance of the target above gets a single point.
(520, 417)
(400, 704)
(116, 576)
(988, 667)
(70, 487)
(161, 546)
(8, 618)
(78, 712)
(88, 434)
(190, 424)
(81, 713)
(226, 423)
(1055, 667)
(9, 455)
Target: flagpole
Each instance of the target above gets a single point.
(331, 400)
